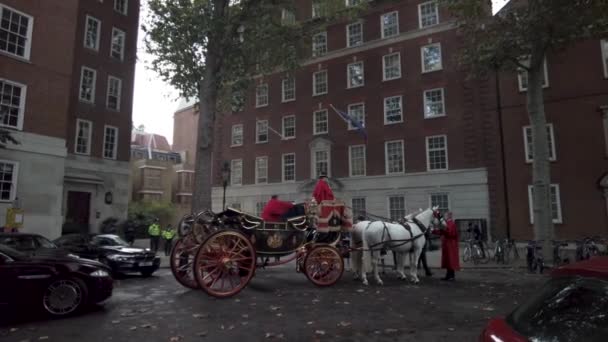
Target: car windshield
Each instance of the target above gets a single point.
(565, 310)
(12, 253)
(19, 242)
(44, 242)
(109, 240)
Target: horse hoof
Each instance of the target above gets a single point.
(365, 283)
(380, 282)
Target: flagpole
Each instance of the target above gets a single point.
(272, 130)
(335, 110)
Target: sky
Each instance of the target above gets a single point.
(155, 101)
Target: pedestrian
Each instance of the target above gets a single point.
(449, 247)
(129, 233)
(154, 232)
(422, 261)
(477, 237)
(168, 234)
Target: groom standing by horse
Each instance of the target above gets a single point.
(449, 247)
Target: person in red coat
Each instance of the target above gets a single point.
(275, 209)
(450, 259)
(322, 191)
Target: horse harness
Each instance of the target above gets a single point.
(402, 242)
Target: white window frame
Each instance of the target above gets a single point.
(89, 142)
(284, 97)
(284, 128)
(259, 97)
(315, 122)
(384, 66)
(551, 135)
(233, 167)
(22, 104)
(348, 43)
(118, 96)
(420, 24)
(400, 97)
(349, 125)
(422, 49)
(257, 132)
(97, 34)
(314, 82)
(386, 164)
(313, 158)
(350, 161)
(319, 50)
(105, 136)
(559, 217)
(122, 47)
(258, 172)
(604, 48)
(14, 181)
(349, 84)
(354, 209)
(428, 150)
(383, 27)
(521, 72)
(82, 70)
(126, 7)
(446, 194)
(234, 136)
(27, 49)
(283, 168)
(388, 204)
(426, 103)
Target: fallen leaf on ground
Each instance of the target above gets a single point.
(451, 329)
(310, 323)
(488, 308)
(279, 315)
(115, 322)
(360, 290)
(269, 335)
(346, 303)
(146, 325)
(275, 308)
(175, 339)
(43, 338)
(198, 315)
(245, 315)
(390, 331)
(202, 334)
(13, 330)
(237, 300)
(344, 324)
(133, 328)
(244, 323)
(320, 332)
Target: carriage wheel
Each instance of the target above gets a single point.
(182, 261)
(324, 265)
(224, 263)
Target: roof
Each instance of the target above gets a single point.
(185, 103)
(156, 141)
(596, 267)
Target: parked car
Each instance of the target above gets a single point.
(31, 244)
(57, 285)
(112, 251)
(572, 306)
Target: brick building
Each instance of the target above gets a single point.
(66, 74)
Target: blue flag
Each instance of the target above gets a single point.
(353, 122)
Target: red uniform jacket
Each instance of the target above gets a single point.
(275, 209)
(322, 192)
(450, 258)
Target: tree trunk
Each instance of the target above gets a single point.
(541, 175)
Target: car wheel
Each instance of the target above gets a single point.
(64, 296)
(146, 274)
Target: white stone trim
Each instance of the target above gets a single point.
(152, 167)
(558, 219)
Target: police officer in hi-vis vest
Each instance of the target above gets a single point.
(168, 234)
(154, 232)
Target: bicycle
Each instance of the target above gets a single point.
(473, 252)
(587, 248)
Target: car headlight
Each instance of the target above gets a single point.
(118, 257)
(100, 274)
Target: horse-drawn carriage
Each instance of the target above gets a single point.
(219, 253)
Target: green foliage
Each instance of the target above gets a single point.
(144, 213)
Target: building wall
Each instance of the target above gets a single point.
(185, 123)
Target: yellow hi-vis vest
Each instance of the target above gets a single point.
(154, 229)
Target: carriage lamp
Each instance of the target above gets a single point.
(225, 179)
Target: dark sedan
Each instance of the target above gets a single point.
(31, 244)
(112, 251)
(57, 285)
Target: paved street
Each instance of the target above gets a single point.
(282, 305)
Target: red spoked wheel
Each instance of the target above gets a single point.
(182, 261)
(324, 265)
(224, 263)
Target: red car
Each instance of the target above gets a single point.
(572, 307)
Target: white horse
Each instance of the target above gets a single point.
(404, 241)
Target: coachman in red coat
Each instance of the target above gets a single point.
(275, 209)
(322, 191)
(450, 259)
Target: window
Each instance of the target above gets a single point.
(431, 58)
(356, 156)
(394, 156)
(83, 137)
(321, 163)
(396, 208)
(434, 105)
(110, 142)
(319, 44)
(289, 167)
(8, 180)
(352, 2)
(355, 75)
(529, 147)
(428, 14)
(236, 172)
(287, 17)
(320, 122)
(319, 83)
(289, 89)
(152, 178)
(15, 32)
(356, 111)
(354, 34)
(12, 104)
(237, 135)
(259, 208)
(118, 44)
(393, 110)
(359, 209)
(114, 93)
(437, 152)
(121, 6)
(604, 44)
(261, 131)
(556, 206)
(88, 77)
(289, 126)
(261, 170)
(522, 75)
(441, 200)
(91, 33)
(390, 24)
(261, 95)
(391, 66)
